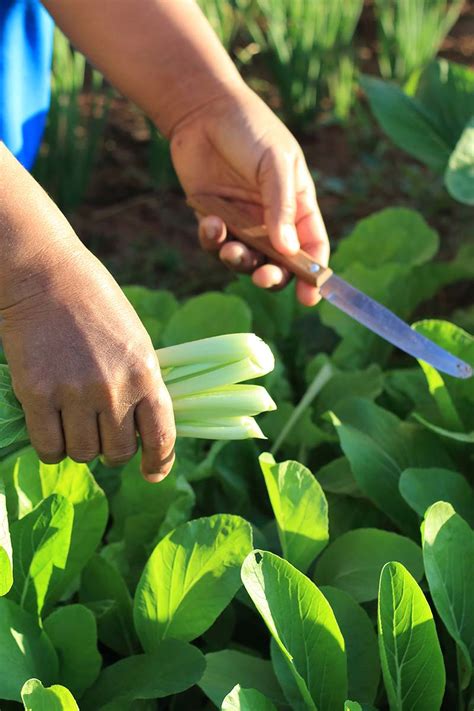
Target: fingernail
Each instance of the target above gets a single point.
(274, 274)
(236, 256)
(289, 237)
(155, 478)
(212, 229)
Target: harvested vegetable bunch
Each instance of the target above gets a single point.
(201, 377)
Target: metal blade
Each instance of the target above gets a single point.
(383, 322)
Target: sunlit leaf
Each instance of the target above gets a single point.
(300, 509)
(412, 662)
(190, 577)
(448, 553)
(303, 626)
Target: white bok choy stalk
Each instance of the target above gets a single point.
(202, 378)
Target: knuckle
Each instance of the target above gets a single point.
(160, 439)
(108, 397)
(36, 394)
(286, 211)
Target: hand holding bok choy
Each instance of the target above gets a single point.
(202, 378)
(173, 66)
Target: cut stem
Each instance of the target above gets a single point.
(324, 375)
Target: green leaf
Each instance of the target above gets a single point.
(229, 667)
(33, 481)
(303, 626)
(246, 700)
(273, 313)
(446, 90)
(336, 477)
(366, 383)
(412, 241)
(379, 447)
(6, 562)
(154, 307)
(190, 577)
(207, 315)
(459, 175)
(464, 318)
(423, 487)
(448, 553)
(465, 437)
(12, 418)
(347, 513)
(354, 706)
(296, 695)
(407, 122)
(25, 650)
(354, 560)
(406, 389)
(54, 698)
(300, 509)
(171, 669)
(103, 589)
(363, 666)
(41, 541)
(450, 393)
(73, 631)
(143, 512)
(303, 432)
(412, 662)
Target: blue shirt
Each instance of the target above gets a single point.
(26, 45)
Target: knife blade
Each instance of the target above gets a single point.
(245, 221)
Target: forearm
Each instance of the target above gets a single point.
(33, 232)
(162, 54)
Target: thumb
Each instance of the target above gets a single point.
(277, 185)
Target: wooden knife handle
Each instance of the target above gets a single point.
(245, 221)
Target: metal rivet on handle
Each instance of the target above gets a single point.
(314, 268)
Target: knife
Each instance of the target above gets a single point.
(245, 221)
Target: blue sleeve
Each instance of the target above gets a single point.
(26, 43)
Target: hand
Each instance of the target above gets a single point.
(235, 147)
(84, 368)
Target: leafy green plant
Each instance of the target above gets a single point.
(410, 33)
(308, 47)
(74, 128)
(435, 125)
(121, 594)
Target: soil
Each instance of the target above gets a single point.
(148, 236)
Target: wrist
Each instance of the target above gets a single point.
(37, 273)
(223, 99)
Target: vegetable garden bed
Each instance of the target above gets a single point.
(327, 568)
